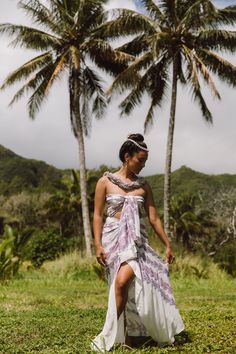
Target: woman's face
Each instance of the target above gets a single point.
(137, 162)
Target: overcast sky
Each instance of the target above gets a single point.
(202, 147)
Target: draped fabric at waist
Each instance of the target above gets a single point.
(113, 222)
(122, 237)
(115, 203)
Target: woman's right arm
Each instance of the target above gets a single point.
(99, 203)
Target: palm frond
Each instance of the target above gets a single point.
(226, 16)
(94, 91)
(218, 65)
(27, 69)
(179, 65)
(209, 12)
(105, 57)
(30, 38)
(42, 89)
(99, 106)
(133, 99)
(158, 83)
(154, 10)
(153, 81)
(89, 15)
(199, 98)
(193, 81)
(40, 14)
(195, 63)
(197, 14)
(217, 39)
(127, 22)
(136, 46)
(57, 70)
(197, 95)
(169, 11)
(64, 13)
(206, 75)
(157, 77)
(129, 77)
(32, 83)
(159, 41)
(149, 117)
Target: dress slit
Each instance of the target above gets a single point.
(121, 321)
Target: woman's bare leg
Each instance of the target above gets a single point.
(123, 280)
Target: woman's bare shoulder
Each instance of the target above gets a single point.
(102, 182)
(103, 179)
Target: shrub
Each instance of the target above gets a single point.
(46, 245)
(226, 258)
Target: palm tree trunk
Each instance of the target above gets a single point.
(83, 182)
(169, 149)
(83, 191)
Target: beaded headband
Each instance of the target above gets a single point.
(137, 144)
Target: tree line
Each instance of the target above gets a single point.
(40, 226)
(173, 42)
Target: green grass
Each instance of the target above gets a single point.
(61, 307)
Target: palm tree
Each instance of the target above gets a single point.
(174, 41)
(188, 221)
(65, 43)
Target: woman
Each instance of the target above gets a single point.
(140, 296)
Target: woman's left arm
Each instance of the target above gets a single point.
(156, 222)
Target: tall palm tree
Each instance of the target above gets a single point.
(188, 221)
(65, 43)
(174, 41)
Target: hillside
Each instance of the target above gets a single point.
(187, 180)
(18, 173)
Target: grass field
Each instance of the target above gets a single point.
(59, 309)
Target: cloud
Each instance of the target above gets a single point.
(224, 3)
(126, 4)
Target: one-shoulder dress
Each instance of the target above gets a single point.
(151, 308)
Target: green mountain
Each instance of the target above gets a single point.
(18, 173)
(187, 180)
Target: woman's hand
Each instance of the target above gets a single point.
(101, 255)
(169, 255)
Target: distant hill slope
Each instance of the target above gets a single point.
(18, 173)
(187, 180)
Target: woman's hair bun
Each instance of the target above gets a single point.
(136, 137)
(132, 147)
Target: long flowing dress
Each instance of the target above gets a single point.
(151, 308)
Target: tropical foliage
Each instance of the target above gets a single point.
(55, 220)
(56, 217)
(11, 247)
(190, 224)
